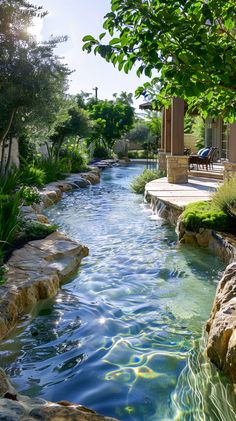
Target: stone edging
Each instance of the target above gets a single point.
(221, 327)
(36, 272)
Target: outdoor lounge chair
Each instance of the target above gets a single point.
(203, 159)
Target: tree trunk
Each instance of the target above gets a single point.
(2, 157)
(9, 155)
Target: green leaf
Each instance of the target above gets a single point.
(101, 36)
(88, 38)
(114, 41)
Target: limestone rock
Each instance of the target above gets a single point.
(17, 407)
(35, 272)
(203, 237)
(92, 177)
(76, 180)
(221, 343)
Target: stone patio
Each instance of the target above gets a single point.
(180, 195)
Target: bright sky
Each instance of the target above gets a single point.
(77, 18)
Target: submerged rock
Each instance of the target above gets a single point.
(17, 407)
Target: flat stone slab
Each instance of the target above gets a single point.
(181, 195)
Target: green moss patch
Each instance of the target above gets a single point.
(205, 215)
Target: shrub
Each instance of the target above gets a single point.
(140, 154)
(139, 182)
(9, 181)
(100, 152)
(77, 160)
(33, 176)
(205, 215)
(9, 219)
(54, 169)
(30, 195)
(35, 230)
(225, 197)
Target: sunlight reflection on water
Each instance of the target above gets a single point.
(118, 337)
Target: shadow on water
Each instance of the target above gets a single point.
(123, 336)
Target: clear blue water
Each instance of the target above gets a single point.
(122, 337)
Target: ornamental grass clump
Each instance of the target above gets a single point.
(138, 184)
(225, 197)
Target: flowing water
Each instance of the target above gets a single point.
(123, 336)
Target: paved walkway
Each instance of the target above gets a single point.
(180, 195)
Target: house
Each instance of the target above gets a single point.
(171, 153)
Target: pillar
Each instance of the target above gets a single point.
(177, 126)
(166, 139)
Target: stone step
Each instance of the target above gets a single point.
(207, 174)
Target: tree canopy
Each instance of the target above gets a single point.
(112, 119)
(33, 79)
(188, 46)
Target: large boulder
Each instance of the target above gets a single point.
(35, 272)
(221, 327)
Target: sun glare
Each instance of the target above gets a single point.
(36, 28)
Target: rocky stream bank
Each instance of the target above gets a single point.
(221, 326)
(35, 272)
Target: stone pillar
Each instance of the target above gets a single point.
(177, 169)
(162, 164)
(166, 139)
(230, 166)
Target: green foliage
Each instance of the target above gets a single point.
(27, 150)
(78, 160)
(139, 154)
(139, 182)
(225, 197)
(9, 219)
(139, 133)
(76, 126)
(9, 181)
(188, 45)
(35, 230)
(199, 132)
(188, 124)
(33, 176)
(33, 79)
(54, 169)
(100, 152)
(29, 195)
(112, 119)
(205, 215)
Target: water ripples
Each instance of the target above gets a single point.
(118, 337)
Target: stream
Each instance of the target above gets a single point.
(125, 335)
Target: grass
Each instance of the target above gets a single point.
(225, 197)
(138, 183)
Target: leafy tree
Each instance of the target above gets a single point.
(112, 119)
(188, 46)
(139, 133)
(76, 126)
(33, 80)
